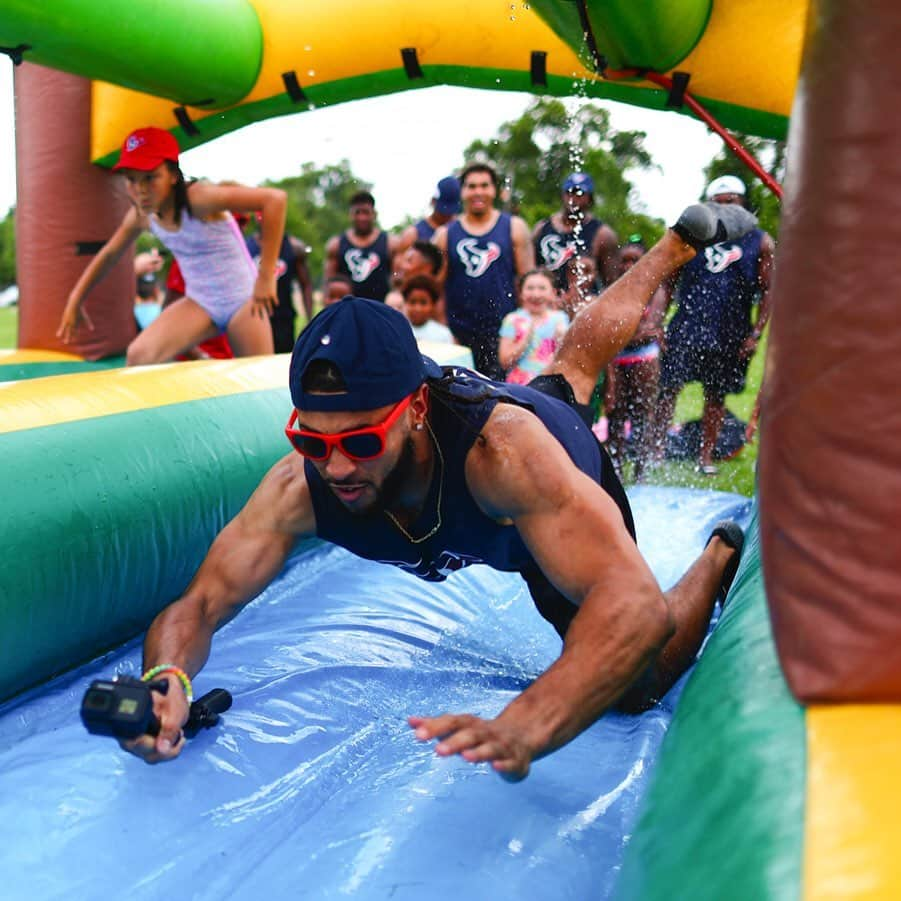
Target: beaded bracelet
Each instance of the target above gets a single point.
(178, 671)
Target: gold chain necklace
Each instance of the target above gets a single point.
(437, 525)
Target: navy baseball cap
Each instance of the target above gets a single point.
(374, 349)
(447, 196)
(579, 181)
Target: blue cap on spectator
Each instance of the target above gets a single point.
(446, 198)
(579, 181)
(374, 349)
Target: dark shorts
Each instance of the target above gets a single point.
(283, 334)
(720, 370)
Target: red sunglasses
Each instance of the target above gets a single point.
(358, 444)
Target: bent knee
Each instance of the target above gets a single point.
(142, 353)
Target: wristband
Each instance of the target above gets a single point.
(177, 671)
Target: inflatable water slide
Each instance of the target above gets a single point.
(770, 771)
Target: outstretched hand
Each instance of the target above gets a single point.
(73, 316)
(477, 741)
(171, 709)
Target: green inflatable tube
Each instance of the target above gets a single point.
(645, 34)
(726, 804)
(107, 519)
(202, 53)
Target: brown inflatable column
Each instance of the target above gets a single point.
(830, 460)
(65, 203)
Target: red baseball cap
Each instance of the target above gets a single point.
(145, 148)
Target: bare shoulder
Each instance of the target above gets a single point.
(439, 239)
(514, 454)
(282, 502)
(520, 229)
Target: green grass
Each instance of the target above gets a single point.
(9, 323)
(736, 474)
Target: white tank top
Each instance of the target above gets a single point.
(214, 261)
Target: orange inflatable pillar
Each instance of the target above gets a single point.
(66, 207)
(830, 457)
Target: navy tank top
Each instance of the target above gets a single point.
(481, 278)
(424, 230)
(554, 248)
(369, 267)
(715, 293)
(460, 404)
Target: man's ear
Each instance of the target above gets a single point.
(420, 402)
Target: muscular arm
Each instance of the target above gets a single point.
(244, 558)
(623, 619)
(302, 272)
(764, 274)
(606, 254)
(331, 257)
(439, 239)
(406, 238)
(523, 251)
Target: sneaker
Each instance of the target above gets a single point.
(704, 224)
(729, 531)
(707, 469)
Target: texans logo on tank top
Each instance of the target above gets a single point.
(555, 251)
(477, 260)
(722, 256)
(361, 264)
(436, 570)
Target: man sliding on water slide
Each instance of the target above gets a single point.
(433, 470)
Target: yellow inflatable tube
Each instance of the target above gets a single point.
(744, 67)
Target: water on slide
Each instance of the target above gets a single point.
(313, 785)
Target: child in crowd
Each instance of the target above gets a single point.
(421, 294)
(225, 292)
(529, 336)
(336, 288)
(634, 375)
(148, 294)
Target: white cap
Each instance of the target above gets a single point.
(725, 184)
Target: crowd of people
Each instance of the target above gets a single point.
(432, 469)
(467, 272)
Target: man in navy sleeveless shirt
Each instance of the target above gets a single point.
(445, 205)
(363, 252)
(711, 337)
(432, 470)
(292, 266)
(574, 232)
(486, 250)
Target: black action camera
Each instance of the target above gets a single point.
(123, 708)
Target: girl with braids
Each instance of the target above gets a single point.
(224, 290)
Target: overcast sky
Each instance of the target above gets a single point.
(404, 143)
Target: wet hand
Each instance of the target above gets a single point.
(477, 741)
(73, 317)
(171, 710)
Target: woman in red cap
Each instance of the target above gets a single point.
(224, 290)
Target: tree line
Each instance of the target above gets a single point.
(532, 154)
